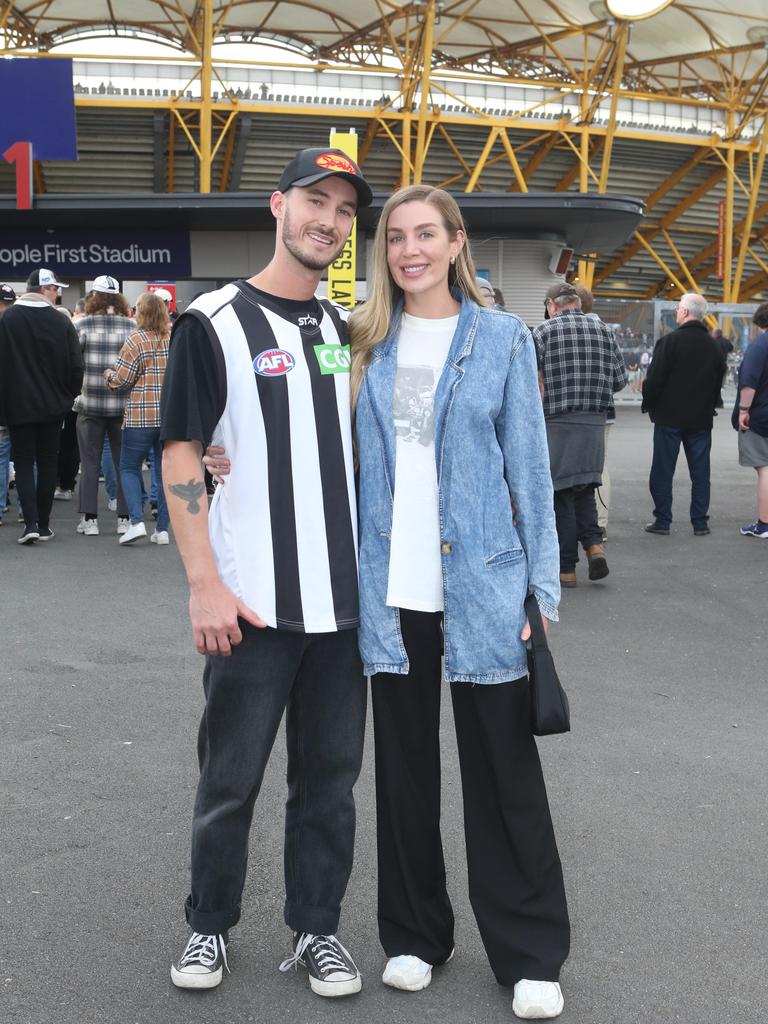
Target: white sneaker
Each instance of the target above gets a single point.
(132, 533)
(59, 495)
(88, 527)
(112, 504)
(408, 973)
(537, 1000)
(160, 537)
(123, 525)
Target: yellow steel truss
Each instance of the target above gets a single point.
(412, 40)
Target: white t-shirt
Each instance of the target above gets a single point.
(415, 571)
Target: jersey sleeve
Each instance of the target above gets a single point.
(195, 386)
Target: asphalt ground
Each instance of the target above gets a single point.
(659, 794)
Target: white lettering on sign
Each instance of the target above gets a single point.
(96, 253)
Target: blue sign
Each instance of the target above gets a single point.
(86, 253)
(39, 107)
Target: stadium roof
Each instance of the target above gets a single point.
(691, 43)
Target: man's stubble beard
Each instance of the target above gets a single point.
(290, 239)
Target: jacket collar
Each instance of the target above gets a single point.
(463, 338)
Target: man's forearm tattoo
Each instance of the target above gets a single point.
(190, 493)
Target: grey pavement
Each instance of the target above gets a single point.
(659, 794)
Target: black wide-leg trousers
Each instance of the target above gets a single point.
(515, 877)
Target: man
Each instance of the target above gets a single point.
(680, 393)
(603, 492)
(41, 370)
(272, 570)
(485, 288)
(580, 368)
(7, 299)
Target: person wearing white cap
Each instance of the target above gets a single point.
(103, 331)
(41, 370)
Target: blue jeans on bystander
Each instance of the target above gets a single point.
(666, 447)
(137, 443)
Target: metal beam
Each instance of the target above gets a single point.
(206, 78)
(159, 162)
(757, 180)
(425, 57)
(245, 122)
(621, 47)
(669, 218)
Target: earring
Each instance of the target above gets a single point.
(453, 260)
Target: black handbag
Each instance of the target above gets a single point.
(550, 712)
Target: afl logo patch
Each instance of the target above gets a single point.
(275, 362)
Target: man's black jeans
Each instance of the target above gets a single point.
(36, 444)
(317, 679)
(576, 518)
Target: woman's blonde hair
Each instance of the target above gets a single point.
(151, 314)
(370, 322)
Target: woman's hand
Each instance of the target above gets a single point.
(217, 463)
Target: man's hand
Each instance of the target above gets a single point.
(213, 612)
(526, 633)
(743, 420)
(216, 462)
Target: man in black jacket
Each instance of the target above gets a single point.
(681, 392)
(41, 370)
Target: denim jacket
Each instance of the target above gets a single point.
(490, 445)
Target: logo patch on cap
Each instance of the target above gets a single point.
(275, 362)
(335, 162)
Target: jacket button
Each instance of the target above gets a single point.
(446, 548)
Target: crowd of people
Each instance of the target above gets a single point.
(388, 479)
(80, 394)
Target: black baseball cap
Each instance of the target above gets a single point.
(562, 290)
(7, 294)
(311, 165)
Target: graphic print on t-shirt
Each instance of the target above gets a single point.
(413, 404)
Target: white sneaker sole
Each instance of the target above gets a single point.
(336, 988)
(400, 983)
(538, 1012)
(181, 979)
(415, 986)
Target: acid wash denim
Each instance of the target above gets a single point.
(490, 447)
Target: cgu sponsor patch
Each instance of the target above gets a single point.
(275, 362)
(333, 358)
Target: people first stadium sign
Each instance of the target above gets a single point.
(86, 254)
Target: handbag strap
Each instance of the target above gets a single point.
(538, 635)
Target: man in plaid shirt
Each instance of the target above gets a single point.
(580, 368)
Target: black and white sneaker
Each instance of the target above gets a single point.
(29, 536)
(202, 961)
(332, 971)
(46, 533)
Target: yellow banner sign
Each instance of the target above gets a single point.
(341, 273)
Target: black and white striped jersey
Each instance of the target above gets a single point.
(268, 378)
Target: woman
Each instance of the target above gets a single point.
(103, 330)
(139, 369)
(449, 430)
(750, 417)
(450, 434)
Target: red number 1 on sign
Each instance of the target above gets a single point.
(20, 153)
